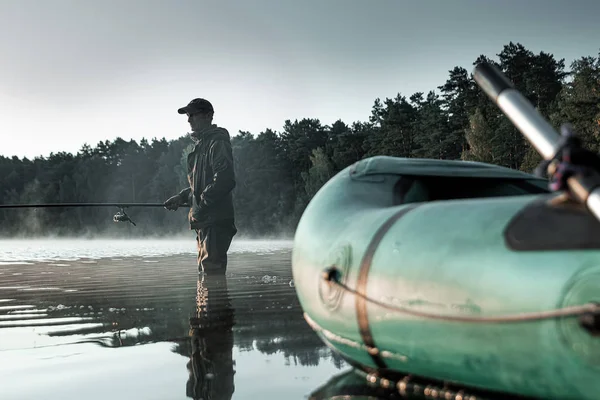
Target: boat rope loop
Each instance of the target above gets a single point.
(589, 313)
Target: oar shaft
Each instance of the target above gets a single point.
(538, 131)
(518, 109)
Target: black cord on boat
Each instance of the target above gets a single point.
(585, 311)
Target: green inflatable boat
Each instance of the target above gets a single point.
(456, 271)
(464, 274)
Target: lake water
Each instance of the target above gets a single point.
(130, 319)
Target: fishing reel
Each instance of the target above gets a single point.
(122, 216)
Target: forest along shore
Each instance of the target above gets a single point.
(279, 170)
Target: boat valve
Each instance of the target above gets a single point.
(591, 323)
(331, 274)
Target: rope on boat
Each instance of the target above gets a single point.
(590, 310)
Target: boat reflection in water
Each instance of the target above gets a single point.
(355, 384)
(211, 366)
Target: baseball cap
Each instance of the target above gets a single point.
(197, 105)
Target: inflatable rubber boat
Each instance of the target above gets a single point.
(460, 272)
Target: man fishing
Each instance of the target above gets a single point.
(212, 180)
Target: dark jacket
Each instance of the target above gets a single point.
(211, 178)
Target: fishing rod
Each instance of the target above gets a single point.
(56, 205)
(567, 163)
(120, 216)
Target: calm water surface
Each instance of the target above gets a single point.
(102, 319)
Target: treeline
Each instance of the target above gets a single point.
(279, 171)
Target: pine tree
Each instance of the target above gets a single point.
(480, 138)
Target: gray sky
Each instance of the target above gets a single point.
(77, 71)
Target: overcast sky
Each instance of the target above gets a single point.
(81, 71)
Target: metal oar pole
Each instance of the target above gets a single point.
(583, 185)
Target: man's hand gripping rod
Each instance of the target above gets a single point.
(569, 165)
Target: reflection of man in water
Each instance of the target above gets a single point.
(212, 179)
(211, 373)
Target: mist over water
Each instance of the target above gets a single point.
(23, 250)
